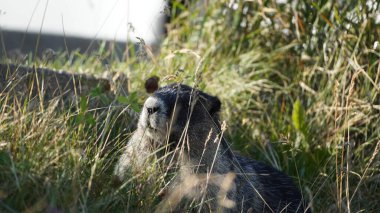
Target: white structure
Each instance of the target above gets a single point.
(95, 19)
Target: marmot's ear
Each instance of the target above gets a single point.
(215, 105)
(151, 84)
(212, 103)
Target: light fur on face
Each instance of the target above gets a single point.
(154, 124)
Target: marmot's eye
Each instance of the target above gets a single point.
(152, 110)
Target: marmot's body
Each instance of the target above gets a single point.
(187, 121)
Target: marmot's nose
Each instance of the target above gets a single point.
(152, 110)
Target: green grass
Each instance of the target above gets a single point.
(299, 84)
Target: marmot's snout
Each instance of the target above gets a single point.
(153, 118)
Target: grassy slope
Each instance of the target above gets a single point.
(300, 89)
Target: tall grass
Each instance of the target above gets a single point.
(299, 83)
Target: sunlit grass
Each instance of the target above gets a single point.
(299, 85)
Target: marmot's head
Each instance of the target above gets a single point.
(177, 110)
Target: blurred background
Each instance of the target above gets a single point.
(299, 82)
(70, 24)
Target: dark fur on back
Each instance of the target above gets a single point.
(188, 119)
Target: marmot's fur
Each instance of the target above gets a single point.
(186, 121)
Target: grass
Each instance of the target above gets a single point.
(299, 84)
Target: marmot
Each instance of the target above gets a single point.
(186, 122)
